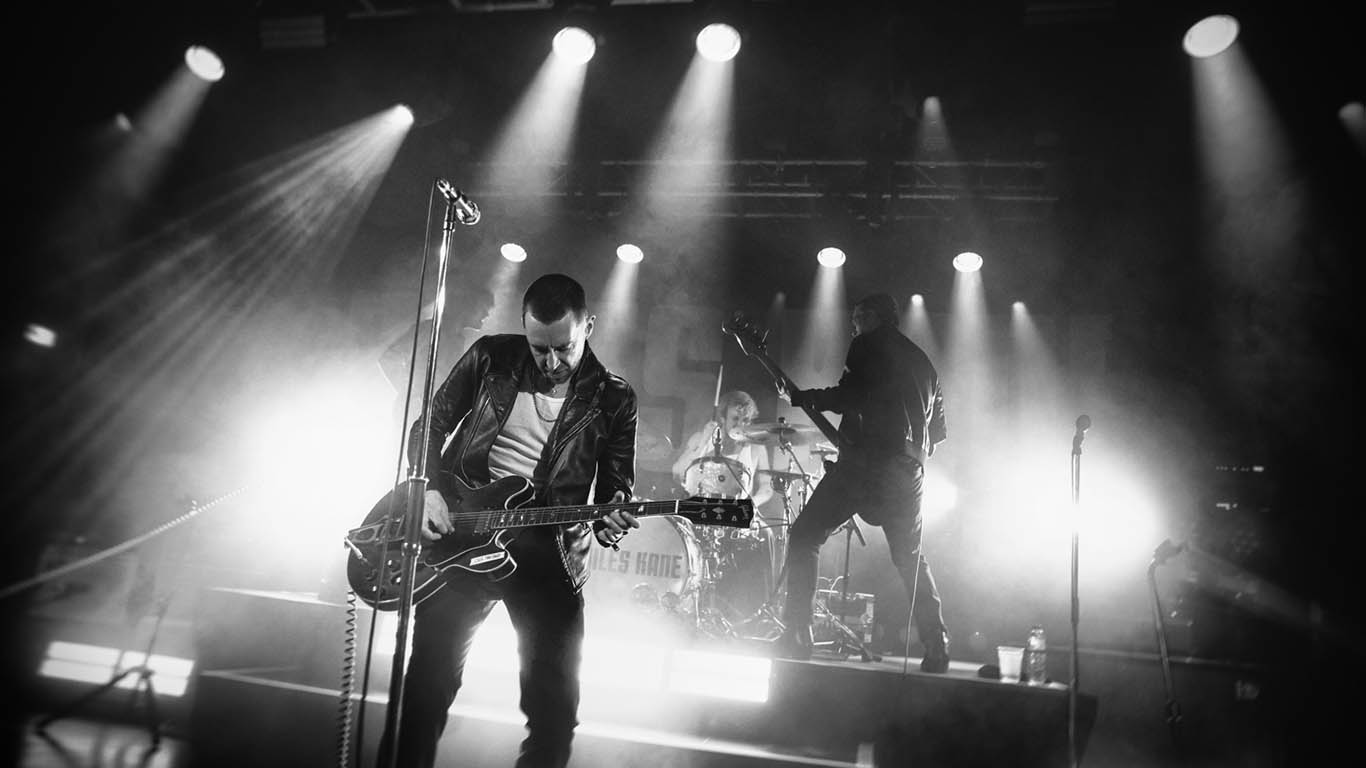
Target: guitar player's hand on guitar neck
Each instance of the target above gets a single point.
(784, 393)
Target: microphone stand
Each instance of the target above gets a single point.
(1172, 710)
(1083, 424)
(462, 210)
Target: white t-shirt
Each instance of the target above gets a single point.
(519, 445)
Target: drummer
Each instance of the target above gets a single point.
(738, 477)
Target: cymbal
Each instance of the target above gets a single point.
(824, 449)
(774, 432)
(789, 476)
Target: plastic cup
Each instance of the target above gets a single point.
(1010, 658)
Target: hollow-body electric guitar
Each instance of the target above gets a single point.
(485, 520)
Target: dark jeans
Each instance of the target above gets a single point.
(548, 617)
(886, 491)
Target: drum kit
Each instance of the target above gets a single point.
(722, 582)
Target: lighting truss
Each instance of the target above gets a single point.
(800, 189)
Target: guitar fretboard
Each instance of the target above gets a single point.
(719, 513)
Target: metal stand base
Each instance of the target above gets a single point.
(142, 689)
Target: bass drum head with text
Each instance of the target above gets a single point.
(658, 559)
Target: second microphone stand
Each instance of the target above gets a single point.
(1172, 710)
(1083, 424)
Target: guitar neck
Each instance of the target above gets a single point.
(524, 518)
(823, 424)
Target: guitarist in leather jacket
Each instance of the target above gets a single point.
(539, 405)
(893, 416)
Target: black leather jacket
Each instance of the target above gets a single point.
(594, 437)
(889, 396)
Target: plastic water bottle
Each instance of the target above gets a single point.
(1036, 657)
(867, 618)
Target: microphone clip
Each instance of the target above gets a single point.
(458, 204)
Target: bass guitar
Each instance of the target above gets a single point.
(754, 342)
(485, 520)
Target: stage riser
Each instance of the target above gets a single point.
(1231, 716)
(255, 723)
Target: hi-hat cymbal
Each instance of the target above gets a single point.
(788, 476)
(774, 432)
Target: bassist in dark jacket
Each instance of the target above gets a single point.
(892, 417)
(539, 405)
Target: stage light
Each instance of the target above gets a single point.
(402, 115)
(917, 300)
(1210, 36)
(1353, 118)
(40, 335)
(967, 261)
(830, 258)
(204, 63)
(513, 252)
(575, 44)
(631, 254)
(718, 42)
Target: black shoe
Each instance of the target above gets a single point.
(936, 655)
(794, 643)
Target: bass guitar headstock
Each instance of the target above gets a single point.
(753, 340)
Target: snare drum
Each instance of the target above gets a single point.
(716, 477)
(652, 561)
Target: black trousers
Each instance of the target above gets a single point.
(548, 617)
(886, 490)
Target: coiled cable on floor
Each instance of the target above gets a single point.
(348, 683)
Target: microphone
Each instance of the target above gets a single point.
(466, 211)
(1083, 424)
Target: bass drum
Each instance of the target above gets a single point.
(654, 566)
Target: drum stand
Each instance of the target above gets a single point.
(847, 641)
(143, 692)
(708, 619)
(767, 617)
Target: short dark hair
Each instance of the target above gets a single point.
(882, 305)
(552, 296)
